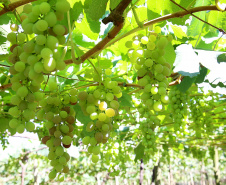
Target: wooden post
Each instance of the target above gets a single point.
(216, 167)
(141, 172)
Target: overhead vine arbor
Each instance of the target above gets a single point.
(119, 79)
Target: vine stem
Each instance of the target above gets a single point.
(14, 5)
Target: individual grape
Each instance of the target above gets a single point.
(32, 18)
(21, 37)
(150, 45)
(157, 29)
(63, 114)
(162, 90)
(38, 67)
(64, 129)
(70, 119)
(157, 106)
(20, 128)
(152, 38)
(90, 109)
(128, 44)
(102, 116)
(52, 174)
(27, 8)
(30, 126)
(96, 150)
(114, 104)
(83, 95)
(141, 72)
(62, 160)
(11, 37)
(86, 140)
(28, 28)
(16, 85)
(65, 169)
(59, 151)
(149, 62)
(109, 96)
(46, 53)
(142, 82)
(108, 71)
(36, 10)
(58, 167)
(57, 133)
(96, 94)
(62, 6)
(95, 158)
(41, 25)
(144, 40)
(51, 19)
(44, 8)
(162, 42)
(67, 140)
(49, 64)
(166, 71)
(154, 90)
(99, 137)
(13, 123)
(40, 39)
(93, 141)
(160, 77)
(22, 91)
(59, 30)
(105, 127)
(49, 116)
(14, 27)
(116, 90)
(90, 126)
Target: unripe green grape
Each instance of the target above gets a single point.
(38, 49)
(51, 19)
(52, 85)
(63, 114)
(52, 42)
(58, 167)
(41, 25)
(46, 53)
(22, 91)
(157, 106)
(144, 40)
(99, 137)
(62, 6)
(152, 38)
(108, 71)
(149, 102)
(90, 126)
(154, 90)
(67, 140)
(141, 72)
(40, 39)
(62, 160)
(116, 90)
(160, 77)
(28, 28)
(96, 150)
(59, 30)
(166, 71)
(105, 127)
(135, 44)
(93, 141)
(20, 128)
(157, 29)
(29, 47)
(38, 67)
(101, 116)
(11, 37)
(73, 92)
(90, 109)
(142, 82)
(14, 111)
(86, 140)
(16, 85)
(32, 18)
(95, 158)
(83, 95)
(114, 104)
(17, 50)
(64, 129)
(13, 123)
(28, 115)
(49, 64)
(149, 62)
(30, 59)
(44, 7)
(162, 42)
(15, 100)
(150, 45)
(49, 116)
(128, 44)
(147, 88)
(27, 8)
(23, 105)
(21, 37)
(110, 96)
(59, 151)
(162, 90)
(14, 27)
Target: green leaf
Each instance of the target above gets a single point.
(139, 152)
(114, 3)
(76, 11)
(178, 32)
(221, 58)
(200, 78)
(196, 25)
(4, 19)
(97, 9)
(105, 64)
(218, 19)
(89, 28)
(123, 132)
(125, 100)
(186, 83)
(170, 54)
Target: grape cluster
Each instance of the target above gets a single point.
(101, 105)
(178, 101)
(32, 58)
(149, 135)
(147, 56)
(59, 120)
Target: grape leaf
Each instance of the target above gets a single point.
(221, 58)
(187, 61)
(125, 100)
(97, 9)
(200, 78)
(186, 83)
(139, 152)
